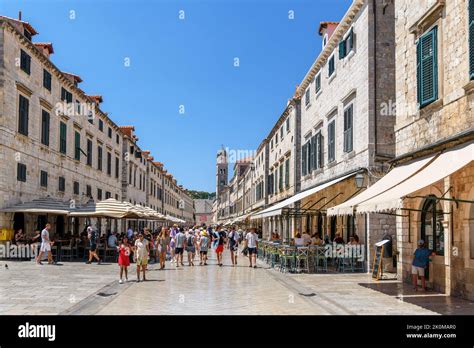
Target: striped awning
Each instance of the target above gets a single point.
(111, 208)
(45, 205)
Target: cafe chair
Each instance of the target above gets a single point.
(302, 259)
(110, 252)
(287, 259)
(67, 251)
(54, 252)
(101, 250)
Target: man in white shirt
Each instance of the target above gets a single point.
(45, 245)
(142, 249)
(251, 242)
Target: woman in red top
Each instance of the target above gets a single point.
(124, 258)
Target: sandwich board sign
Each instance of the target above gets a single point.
(377, 266)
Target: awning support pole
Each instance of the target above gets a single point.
(306, 209)
(454, 199)
(340, 193)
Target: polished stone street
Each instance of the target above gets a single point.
(76, 288)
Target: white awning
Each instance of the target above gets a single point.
(445, 164)
(278, 208)
(391, 179)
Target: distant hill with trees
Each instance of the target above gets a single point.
(202, 194)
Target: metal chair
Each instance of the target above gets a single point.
(110, 252)
(101, 250)
(302, 259)
(287, 259)
(67, 251)
(321, 259)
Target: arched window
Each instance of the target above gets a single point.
(432, 230)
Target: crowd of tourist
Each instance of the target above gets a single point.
(165, 244)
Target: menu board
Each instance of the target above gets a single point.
(377, 267)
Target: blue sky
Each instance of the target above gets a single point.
(189, 63)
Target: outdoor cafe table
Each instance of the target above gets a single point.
(59, 243)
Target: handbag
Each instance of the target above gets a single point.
(245, 251)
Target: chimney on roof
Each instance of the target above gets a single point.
(19, 15)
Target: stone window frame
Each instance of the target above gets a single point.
(433, 17)
(25, 58)
(43, 179)
(61, 184)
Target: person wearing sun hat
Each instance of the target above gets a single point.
(421, 260)
(203, 247)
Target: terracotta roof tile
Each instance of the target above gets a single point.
(96, 98)
(76, 78)
(47, 45)
(323, 25)
(26, 24)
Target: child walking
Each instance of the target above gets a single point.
(124, 259)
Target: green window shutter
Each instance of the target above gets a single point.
(331, 142)
(471, 39)
(77, 146)
(45, 118)
(23, 115)
(319, 150)
(281, 178)
(427, 68)
(287, 173)
(303, 159)
(311, 155)
(62, 137)
(342, 49)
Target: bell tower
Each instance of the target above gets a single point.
(222, 167)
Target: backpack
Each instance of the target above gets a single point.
(190, 241)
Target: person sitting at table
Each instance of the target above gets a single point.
(338, 239)
(316, 240)
(298, 240)
(353, 241)
(19, 237)
(274, 236)
(306, 238)
(36, 239)
(112, 240)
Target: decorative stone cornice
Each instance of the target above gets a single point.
(338, 34)
(428, 18)
(45, 104)
(57, 72)
(23, 88)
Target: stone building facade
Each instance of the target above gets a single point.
(333, 128)
(51, 131)
(281, 164)
(55, 140)
(344, 131)
(434, 114)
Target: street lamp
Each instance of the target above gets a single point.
(359, 179)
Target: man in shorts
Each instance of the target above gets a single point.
(251, 242)
(179, 250)
(191, 246)
(45, 246)
(221, 240)
(233, 244)
(142, 250)
(93, 236)
(421, 260)
(203, 246)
